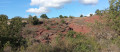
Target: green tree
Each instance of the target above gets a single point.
(16, 25)
(98, 12)
(114, 15)
(44, 16)
(71, 17)
(91, 14)
(65, 17)
(3, 25)
(30, 19)
(35, 20)
(11, 33)
(81, 15)
(61, 16)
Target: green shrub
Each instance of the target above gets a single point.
(44, 16)
(91, 14)
(62, 21)
(33, 20)
(81, 15)
(61, 17)
(71, 33)
(71, 17)
(65, 17)
(47, 27)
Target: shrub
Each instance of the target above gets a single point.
(81, 15)
(71, 33)
(35, 20)
(71, 17)
(62, 21)
(91, 14)
(98, 12)
(65, 17)
(44, 16)
(47, 27)
(61, 16)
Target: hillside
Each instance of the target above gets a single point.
(52, 27)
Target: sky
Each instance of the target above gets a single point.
(53, 8)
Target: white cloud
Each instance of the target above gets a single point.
(38, 10)
(91, 2)
(49, 3)
(44, 5)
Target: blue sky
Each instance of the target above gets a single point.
(75, 8)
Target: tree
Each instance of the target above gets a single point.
(61, 16)
(44, 16)
(11, 33)
(35, 20)
(71, 17)
(3, 25)
(91, 14)
(16, 25)
(30, 19)
(98, 12)
(114, 15)
(65, 17)
(81, 15)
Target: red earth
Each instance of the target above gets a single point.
(76, 24)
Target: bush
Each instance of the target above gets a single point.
(98, 12)
(71, 33)
(61, 16)
(65, 17)
(91, 14)
(35, 20)
(47, 27)
(62, 21)
(81, 15)
(71, 17)
(44, 16)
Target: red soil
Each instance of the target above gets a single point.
(83, 28)
(65, 28)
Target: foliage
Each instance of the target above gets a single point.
(81, 15)
(91, 14)
(98, 12)
(33, 20)
(71, 33)
(3, 25)
(65, 17)
(11, 32)
(61, 16)
(30, 19)
(44, 16)
(47, 27)
(62, 21)
(71, 17)
(16, 25)
(114, 15)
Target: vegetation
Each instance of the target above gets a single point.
(81, 15)
(61, 16)
(98, 12)
(17, 36)
(11, 32)
(91, 14)
(71, 17)
(33, 20)
(62, 21)
(44, 16)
